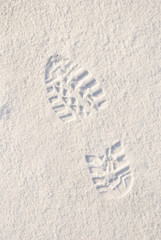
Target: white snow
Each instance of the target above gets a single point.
(47, 187)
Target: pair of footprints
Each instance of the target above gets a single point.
(74, 94)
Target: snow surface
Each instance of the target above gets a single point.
(47, 190)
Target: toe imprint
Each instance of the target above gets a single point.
(72, 90)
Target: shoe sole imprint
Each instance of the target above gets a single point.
(72, 90)
(111, 172)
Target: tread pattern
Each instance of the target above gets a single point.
(111, 173)
(72, 90)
